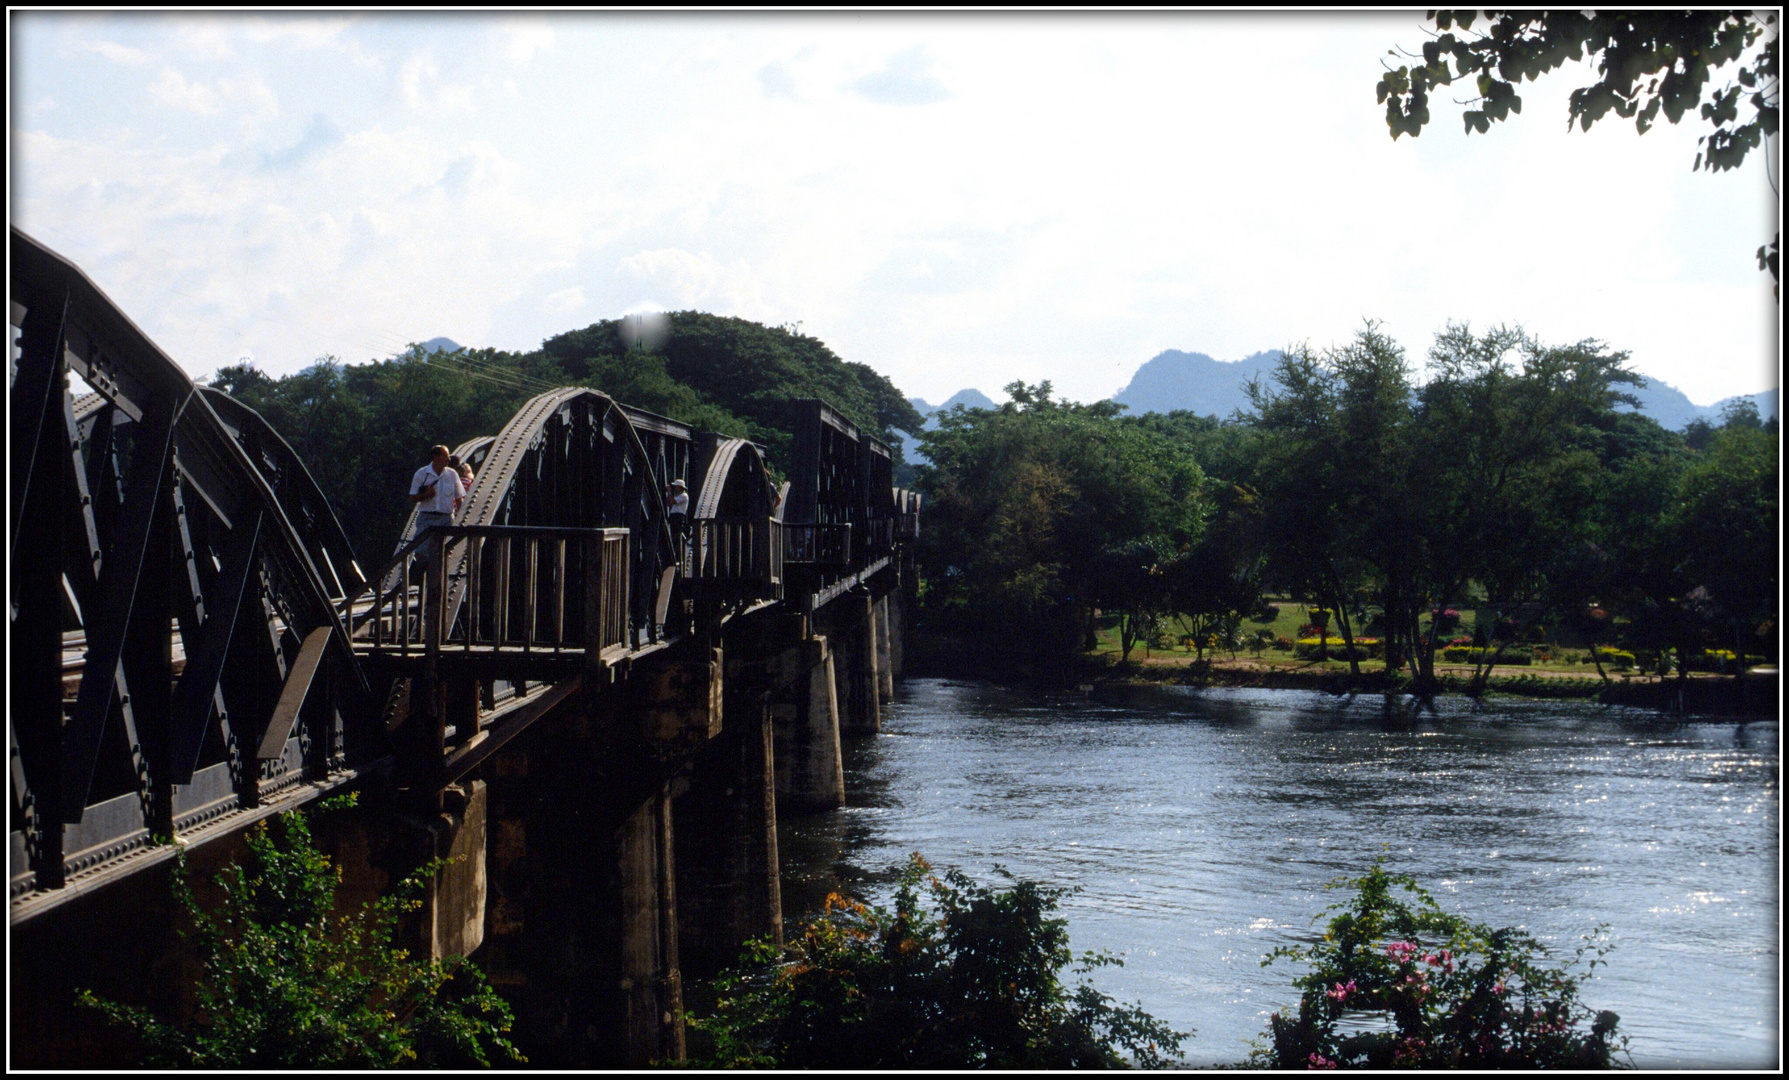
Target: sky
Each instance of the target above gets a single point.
(957, 201)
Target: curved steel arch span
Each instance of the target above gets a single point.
(179, 663)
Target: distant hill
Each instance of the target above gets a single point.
(1194, 382)
(974, 399)
(1197, 383)
(1766, 402)
(441, 344)
(1668, 405)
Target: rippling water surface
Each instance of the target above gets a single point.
(1200, 825)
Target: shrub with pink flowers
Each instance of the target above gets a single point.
(1447, 993)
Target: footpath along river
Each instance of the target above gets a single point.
(1199, 827)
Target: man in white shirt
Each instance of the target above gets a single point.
(436, 486)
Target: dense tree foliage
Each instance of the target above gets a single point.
(1650, 62)
(1042, 512)
(287, 982)
(1505, 474)
(363, 429)
(752, 371)
(971, 979)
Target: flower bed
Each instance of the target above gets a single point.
(1365, 648)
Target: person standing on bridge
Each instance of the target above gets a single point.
(437, 487)
(677, 513)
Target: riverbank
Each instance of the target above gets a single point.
(1757, 695)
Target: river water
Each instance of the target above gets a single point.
(1199, 827)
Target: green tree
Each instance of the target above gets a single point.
(1650, 62)
(1218, 583)
(1026, 503)
(1131, 581)
(1503, 422)
(1408, 496)
(1427, 989)
(1723, 524)
(287, 983)
(1325, 509)
(972, 979)
(751, 371)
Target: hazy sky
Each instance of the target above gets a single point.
(956, 201)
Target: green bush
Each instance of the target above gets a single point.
(1721, 660)
(972, 983)
(1425, 989)
(1620, 659)
(1308, 648)
(287, 984)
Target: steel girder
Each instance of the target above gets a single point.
(571, 458)
(841, 477)
(171, 571)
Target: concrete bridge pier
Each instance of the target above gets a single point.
(804, 711)
(897, 632)
(381, 844)
(884, 652)
(728, 885)
(583, 927)
(852, 621)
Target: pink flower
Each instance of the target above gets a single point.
(1318, 1061)
(1500, 989)
(1401, 951)
(1341, 990)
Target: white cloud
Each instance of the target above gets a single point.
(416, 70)
(423, 88)
(174, 89)
(248, 97)
(695, 280)
(206, 36)
(524, 38)
(122, 54)
(565, 300)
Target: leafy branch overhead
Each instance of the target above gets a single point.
(1648, 62)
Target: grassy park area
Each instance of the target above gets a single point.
(1267, 649)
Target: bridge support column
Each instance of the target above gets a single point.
(728, 886)
(897, 631)
(582, 934)
(810, 769)
(380, 844)
(855, 627)
(884, 651)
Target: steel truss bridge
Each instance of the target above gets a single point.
(195, 646)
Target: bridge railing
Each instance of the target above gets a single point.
(501, 588)
(878, 538)
(737, 552)
(820, 545)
